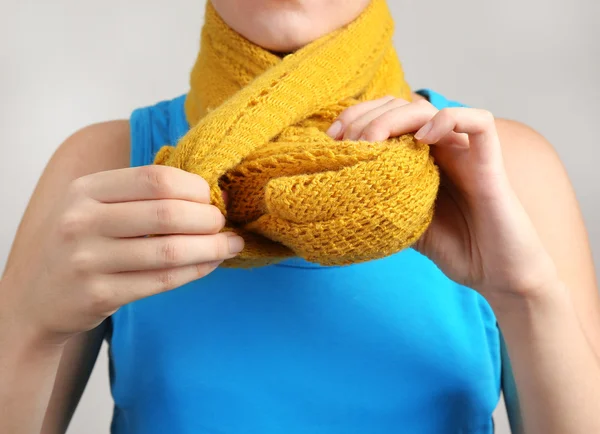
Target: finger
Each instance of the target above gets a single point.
(144, 183)
(127, 287)
(401, 120)
(354, 130)
(157, 253)
(158, 217)
(478, 124)
(336, 129)
(454, 140)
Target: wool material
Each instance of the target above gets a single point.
(257, 131)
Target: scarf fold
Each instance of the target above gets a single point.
(257, 131)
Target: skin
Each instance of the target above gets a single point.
(285, 25)
(495, 231)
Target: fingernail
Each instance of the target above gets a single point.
(423, 131)
(236, 244)
(363, 138)
(335, 129)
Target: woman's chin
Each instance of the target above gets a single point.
(285, 26)
(283, 37)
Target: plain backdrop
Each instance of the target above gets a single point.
(67, 63)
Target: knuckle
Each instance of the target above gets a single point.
(369, 133)
(82, 261)
(168, 254)
(444, 115)
(373, 135)
(156, 180)
(165, 215)
(353, 129)
(77, 187)
(166, 280)
(367, 136)
(424, 102)
(376, 125)
(445, 112)
(221, 247)
(204, 269)
(98, 297)
(347, 115)
(73, 224)
(487, 116)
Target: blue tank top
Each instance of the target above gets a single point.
(387, 346)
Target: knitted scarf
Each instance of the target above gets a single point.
(257, 131)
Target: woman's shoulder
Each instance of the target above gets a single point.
(535, 184)
(96, 147)
(519, 140)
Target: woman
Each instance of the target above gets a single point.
(502, 288)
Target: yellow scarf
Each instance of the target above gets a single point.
(257, 131)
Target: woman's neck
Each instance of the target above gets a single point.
(284, 26)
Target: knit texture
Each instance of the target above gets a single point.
(257, 131)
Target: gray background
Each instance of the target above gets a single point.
(68, 63)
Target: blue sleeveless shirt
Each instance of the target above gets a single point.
(387, 346)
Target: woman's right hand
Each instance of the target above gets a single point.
(95, 256)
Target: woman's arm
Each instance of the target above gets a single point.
(44, 383)
(82, 252)
(507, 224)
(76, 364)
(38, 380)
(543, 187)
(551, 349)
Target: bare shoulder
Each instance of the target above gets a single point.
(537, 172)
(108, 130)
(519, 139)
(539, 177)
(97, 147)
(542, 184)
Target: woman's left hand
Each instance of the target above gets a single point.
(481, 236)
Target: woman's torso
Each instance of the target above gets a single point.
(388, 346)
